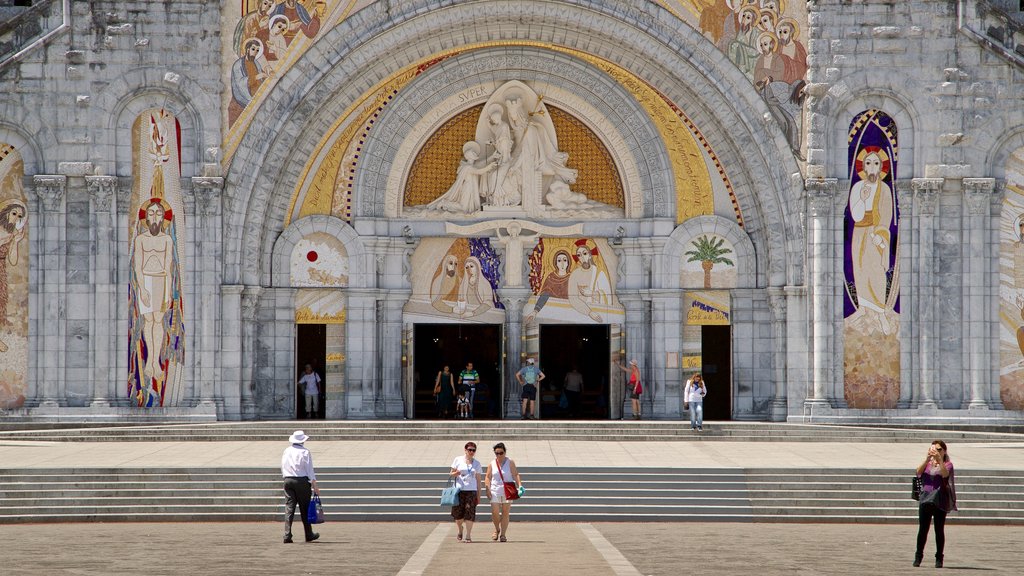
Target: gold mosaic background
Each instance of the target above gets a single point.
(436, 164)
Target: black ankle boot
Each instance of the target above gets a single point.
(938, 560)
(918, 556)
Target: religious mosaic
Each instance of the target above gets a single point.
(14, 244)
(708, 263)
(707, 308)
(156, 238)
(455, 280)
(571, 282)
(763, 38)
(267, 38)
(1011, 287)
(872, 265)
(321, 306)
(319, 259)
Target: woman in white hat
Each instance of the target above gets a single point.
(635, 388)
(299, 484)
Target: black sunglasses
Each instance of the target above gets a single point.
(471, 449)
(499, 453)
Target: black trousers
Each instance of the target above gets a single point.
(926, 513)
(297, 491)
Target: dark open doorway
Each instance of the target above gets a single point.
(437, 345)
(585, 347)
(716, 353)
(310, 348)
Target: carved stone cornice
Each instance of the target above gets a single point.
(926, 193)
(250, 302)
(978, 194)
(50, 188)
(821, 195)
(101, 190)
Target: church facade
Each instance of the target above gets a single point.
(819, 206)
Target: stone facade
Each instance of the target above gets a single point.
(390, 75)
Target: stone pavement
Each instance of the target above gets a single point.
(429, 453)
(534, 549)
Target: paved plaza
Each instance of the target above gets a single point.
(534, 549)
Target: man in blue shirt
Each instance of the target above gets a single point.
(528, 377)
(468, 379)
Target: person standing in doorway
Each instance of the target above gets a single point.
(694, 401)
(444, 390)
(299, 484)
(938, 498)
(573, 389)
(309, 383)
(635, 388)
(529, 377)
(469, 378)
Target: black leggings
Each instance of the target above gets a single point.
(924, 515)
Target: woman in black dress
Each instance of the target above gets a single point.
(444, 391)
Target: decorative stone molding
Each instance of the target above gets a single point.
(250, 302)
(101, 190)
(821, 195)
(978, 193)
(124, 194)
(926, 193)
(49, 188)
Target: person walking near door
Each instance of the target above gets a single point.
(469, 378)
(634, 387)
(309, 383)
(444, 391)
(694, 400)
(573, 389)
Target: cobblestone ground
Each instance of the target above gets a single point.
(534, 549)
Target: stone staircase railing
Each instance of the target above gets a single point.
(31, 27)
(995, 25)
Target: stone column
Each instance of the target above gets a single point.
(978, 194)
(393, 403)
(49, 228)
(102, 262)
(909, 296)
(995, 401)
(666, 338)
(821, 194)
(777, 304)
(250, 307)
(924, 310)
(228, 387)
(207, 241)
(360, 365)
(634, 345)
(513, 299)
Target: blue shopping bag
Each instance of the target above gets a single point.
(315, 512)
(450, 494)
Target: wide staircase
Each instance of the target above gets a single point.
(660, 494)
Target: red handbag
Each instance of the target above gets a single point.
(511, 491)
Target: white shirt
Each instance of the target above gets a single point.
(497, 486)
(296, 461)
(694, 394)
(468, 474)
(311, 381)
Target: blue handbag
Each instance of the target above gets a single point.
(315, 511)
(450, 494)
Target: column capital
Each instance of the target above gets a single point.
(978, 193)
(926, 193)
(101, 190)
(50, 188)
(821, 193)
(777, 302)
(250, 302)
(207, 190)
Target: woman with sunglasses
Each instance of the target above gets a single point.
(502, 470)
(938, 498)
(466, 471)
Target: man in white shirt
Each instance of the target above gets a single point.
(299, 484)
(310, 385)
